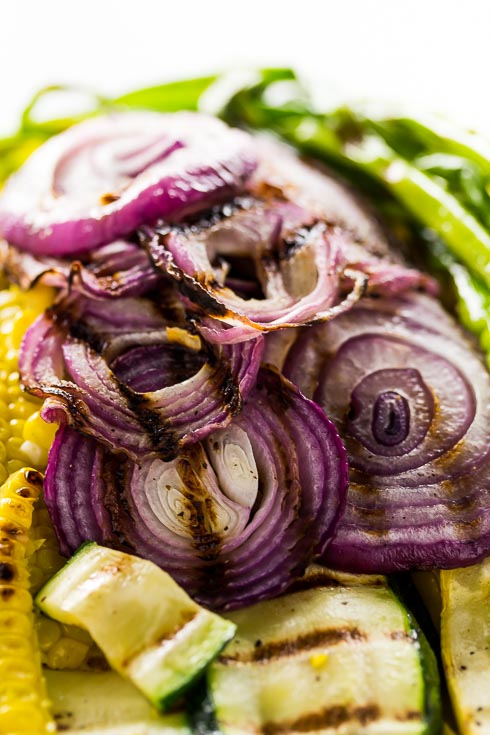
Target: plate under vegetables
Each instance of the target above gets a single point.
(265, 374)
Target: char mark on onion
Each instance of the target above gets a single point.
(234, 519)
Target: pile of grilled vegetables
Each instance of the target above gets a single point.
(326, 626)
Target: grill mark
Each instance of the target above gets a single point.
(294, 242)
(223, 379)
(7, 572)
(34, 478)
(202, 221)
(290, 646)
(202, 514)
(162, 436)
(114, 471)
(312, 582)
(204, 291)
(334, 716)
(185, 617)
(65, 318)
(319, 579)
(202, 520)
(276, 390)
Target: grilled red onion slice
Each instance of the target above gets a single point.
(234, 519)
(111, 271)
(105, 177)
(297, 263)
(299, 249)
(120, 371)
(411, 398)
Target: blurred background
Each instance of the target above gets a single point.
(434, 53)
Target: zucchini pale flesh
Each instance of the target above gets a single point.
(465, 644)
(149, 629)
(103, 703)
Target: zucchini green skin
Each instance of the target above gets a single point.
(335, 658)
(149, 629)
(429, 666)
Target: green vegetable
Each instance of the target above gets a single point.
(465, 627)
(169, 97)
(103, 703)
(439, 175)
(342, 654)
(150, 631)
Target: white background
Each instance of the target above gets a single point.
(433, 52)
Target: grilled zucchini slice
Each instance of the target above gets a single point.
(465, 644)
(149, 629)
(103, 703)
(339, 657)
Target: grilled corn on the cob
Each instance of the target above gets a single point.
(24, 707)
(25, 439)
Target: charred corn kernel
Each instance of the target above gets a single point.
(24, 707)
(26, 439)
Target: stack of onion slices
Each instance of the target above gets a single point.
(233, 519)
(179, 246)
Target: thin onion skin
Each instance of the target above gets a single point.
(103, 178)
(410, 396)
(303, 478)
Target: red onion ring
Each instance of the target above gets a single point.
(100, 180)
(410, 396)
(235, 519)
(72, 356)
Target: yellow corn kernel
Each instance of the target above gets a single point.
(18, 719)
(16, 425)
(20, 325)
(23, 704)
(46, 559)
(38, 456)
(48, 632)
(37, 431)
(67, 647)
(14, 448)
(14, 466)
(14, 624)
(318, 660)
(67, 653)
